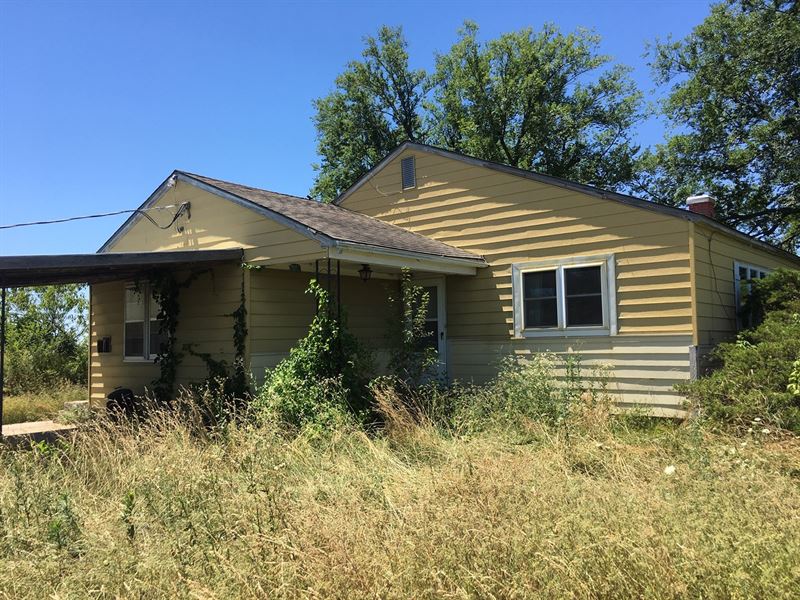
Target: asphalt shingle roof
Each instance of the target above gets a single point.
(338, 223)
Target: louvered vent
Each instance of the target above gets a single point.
(409, 171)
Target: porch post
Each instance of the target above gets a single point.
(2, 354)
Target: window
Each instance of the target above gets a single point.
(142, 337)
(408, 172)
(742, 275)
(575, 296)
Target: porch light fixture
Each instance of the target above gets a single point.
(365, 272)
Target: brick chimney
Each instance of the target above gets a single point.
(702, 204)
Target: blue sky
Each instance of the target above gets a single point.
(100, 101)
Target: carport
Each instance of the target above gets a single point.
(39, 270)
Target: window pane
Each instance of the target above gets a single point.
(134, 305)
(155, 307)
(742, 272)
(539, 284)
(134, 339)
(582, 280)
(585, 310)
(155, 338)
(541, 313)
(433, 302)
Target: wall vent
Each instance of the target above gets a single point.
(409, 171)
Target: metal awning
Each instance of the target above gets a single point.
(50, 269)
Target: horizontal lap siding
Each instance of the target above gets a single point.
(509, 219)
(215, 224)
(204, 323)
(281, 312)
(715, 254)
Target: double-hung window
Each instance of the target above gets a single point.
(574, 296)
(142, 326)
(743, 274)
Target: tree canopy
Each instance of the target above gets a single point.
(734, 112)
(537, 100)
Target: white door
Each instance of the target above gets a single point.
(435, 320)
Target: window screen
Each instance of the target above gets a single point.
(539, 298)
(134, 323)
(583, 290)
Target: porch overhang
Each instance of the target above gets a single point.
(400, 259)
(53, 269)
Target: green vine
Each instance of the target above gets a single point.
(240, 345)
(166, 291)
(219, 377)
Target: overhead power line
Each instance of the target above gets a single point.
(142, 211)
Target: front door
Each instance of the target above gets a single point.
(435, 320)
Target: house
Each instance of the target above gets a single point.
(516, 263)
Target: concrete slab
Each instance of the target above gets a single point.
(35, 431)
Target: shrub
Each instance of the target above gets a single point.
(411, 360)
(525, 392)
(757, 372)
(324, 379)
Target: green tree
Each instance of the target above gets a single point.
(46, 337)
(535, 100)
(538, 100)
(734, 108)
(376, 104)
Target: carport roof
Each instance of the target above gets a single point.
(49, 269)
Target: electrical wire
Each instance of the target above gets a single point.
(142, 211)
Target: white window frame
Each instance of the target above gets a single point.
(739, 297)
(146, 293)
(608, 280)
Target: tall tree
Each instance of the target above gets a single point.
(377, 103)
(734, 108)
(47, 343)
(538, 100)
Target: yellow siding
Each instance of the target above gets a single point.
(715, 254)
(281, 313)
(509, 219)
(215, 224)
(204, 323)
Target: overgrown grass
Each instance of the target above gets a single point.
(599, 508)
(38, 406)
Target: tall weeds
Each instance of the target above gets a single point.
(169, 507)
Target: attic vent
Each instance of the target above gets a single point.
(409, 170)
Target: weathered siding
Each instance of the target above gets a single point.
(204, 322)
(509, 219)
(215, 224)
(281, 313)
(715, 254)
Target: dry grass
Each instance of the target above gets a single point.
(575, 513)
(40, 406)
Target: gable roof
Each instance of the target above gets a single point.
(563, 183)
(329, 224)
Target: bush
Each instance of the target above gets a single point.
(524, 393)
(324, 379)
(754, 382)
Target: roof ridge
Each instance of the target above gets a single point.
(249, 187)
